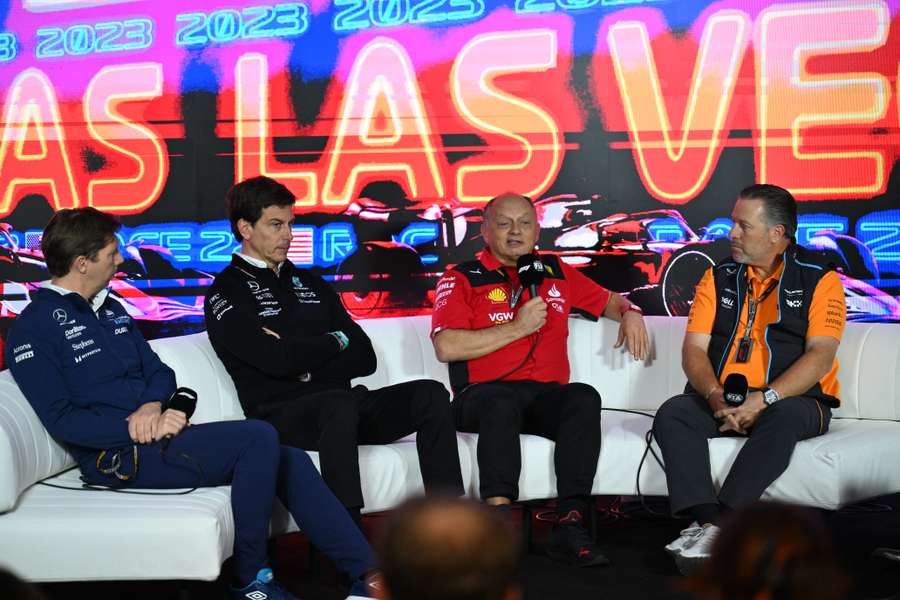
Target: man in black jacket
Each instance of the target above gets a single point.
(292, 349)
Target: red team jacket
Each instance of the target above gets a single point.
(477, 294)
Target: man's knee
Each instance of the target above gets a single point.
(431, 400)
(584, 400)
(677, 410)
(259, 433)
(793, 417)
(497, 404)
(340, 408)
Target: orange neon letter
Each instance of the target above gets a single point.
(675, 171)
(252, 138)
(32, 118)
(109, 87)
(533, 165)
(792, 100)
(382, 128)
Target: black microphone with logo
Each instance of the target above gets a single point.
(185, 400)
(736, 389)
(531, 272)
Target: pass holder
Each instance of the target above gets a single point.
(514, 299)
(745, 344)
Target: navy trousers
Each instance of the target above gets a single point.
(248, 455)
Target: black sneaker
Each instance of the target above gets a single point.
(571, 544)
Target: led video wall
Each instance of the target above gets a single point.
(632, 123)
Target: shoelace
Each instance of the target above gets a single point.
(693, 534)
(706, 540)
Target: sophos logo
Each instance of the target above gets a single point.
(501, 317)
(82, 345)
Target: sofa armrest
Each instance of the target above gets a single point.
(27, 452)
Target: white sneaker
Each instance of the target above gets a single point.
(675, 547)
(697, 549)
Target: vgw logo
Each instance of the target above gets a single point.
(501, 317)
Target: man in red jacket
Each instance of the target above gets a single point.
(509, 368)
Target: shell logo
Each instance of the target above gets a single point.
(497, 295)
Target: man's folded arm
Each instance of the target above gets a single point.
(285, 355)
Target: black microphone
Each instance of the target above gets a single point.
(185, 400)
(531, 272)
(735, 389)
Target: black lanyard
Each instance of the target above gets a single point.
(752, 305)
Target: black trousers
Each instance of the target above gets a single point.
(683, 425)
(335, 420)
(568, 414)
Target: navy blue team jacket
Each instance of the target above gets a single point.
(84, 373)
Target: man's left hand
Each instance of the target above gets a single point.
(633, 333)
(744, 415)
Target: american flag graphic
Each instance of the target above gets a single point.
(301, 250)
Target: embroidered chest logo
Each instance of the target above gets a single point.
(793, 298)
(60, 315)
(556, 300)
(498, 295)
(254, 287)
(726, 302)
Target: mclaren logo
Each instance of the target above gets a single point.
(498, 295)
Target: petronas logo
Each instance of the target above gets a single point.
(497, 295)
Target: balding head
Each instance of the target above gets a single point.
(448, 549)
(510, 228)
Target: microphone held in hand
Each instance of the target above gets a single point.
(531, 272)
(185, 400)
(735, 389)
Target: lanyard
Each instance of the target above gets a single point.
(752, 305)
(516, 292)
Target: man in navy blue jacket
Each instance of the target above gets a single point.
(102, 392)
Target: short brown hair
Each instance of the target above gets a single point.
(441, 548)
(74, 232)
(248, 199)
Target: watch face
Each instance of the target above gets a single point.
(770, 397)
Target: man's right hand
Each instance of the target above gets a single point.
(532, 316)
(716, 400)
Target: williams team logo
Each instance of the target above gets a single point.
(498, 295)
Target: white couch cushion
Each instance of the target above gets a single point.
(63, 535)
(27, 452)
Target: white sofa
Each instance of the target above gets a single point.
(48, 534)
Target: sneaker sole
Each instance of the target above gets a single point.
(688, 565)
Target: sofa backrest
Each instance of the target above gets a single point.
(869, 359)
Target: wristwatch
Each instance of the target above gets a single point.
(770, 396)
